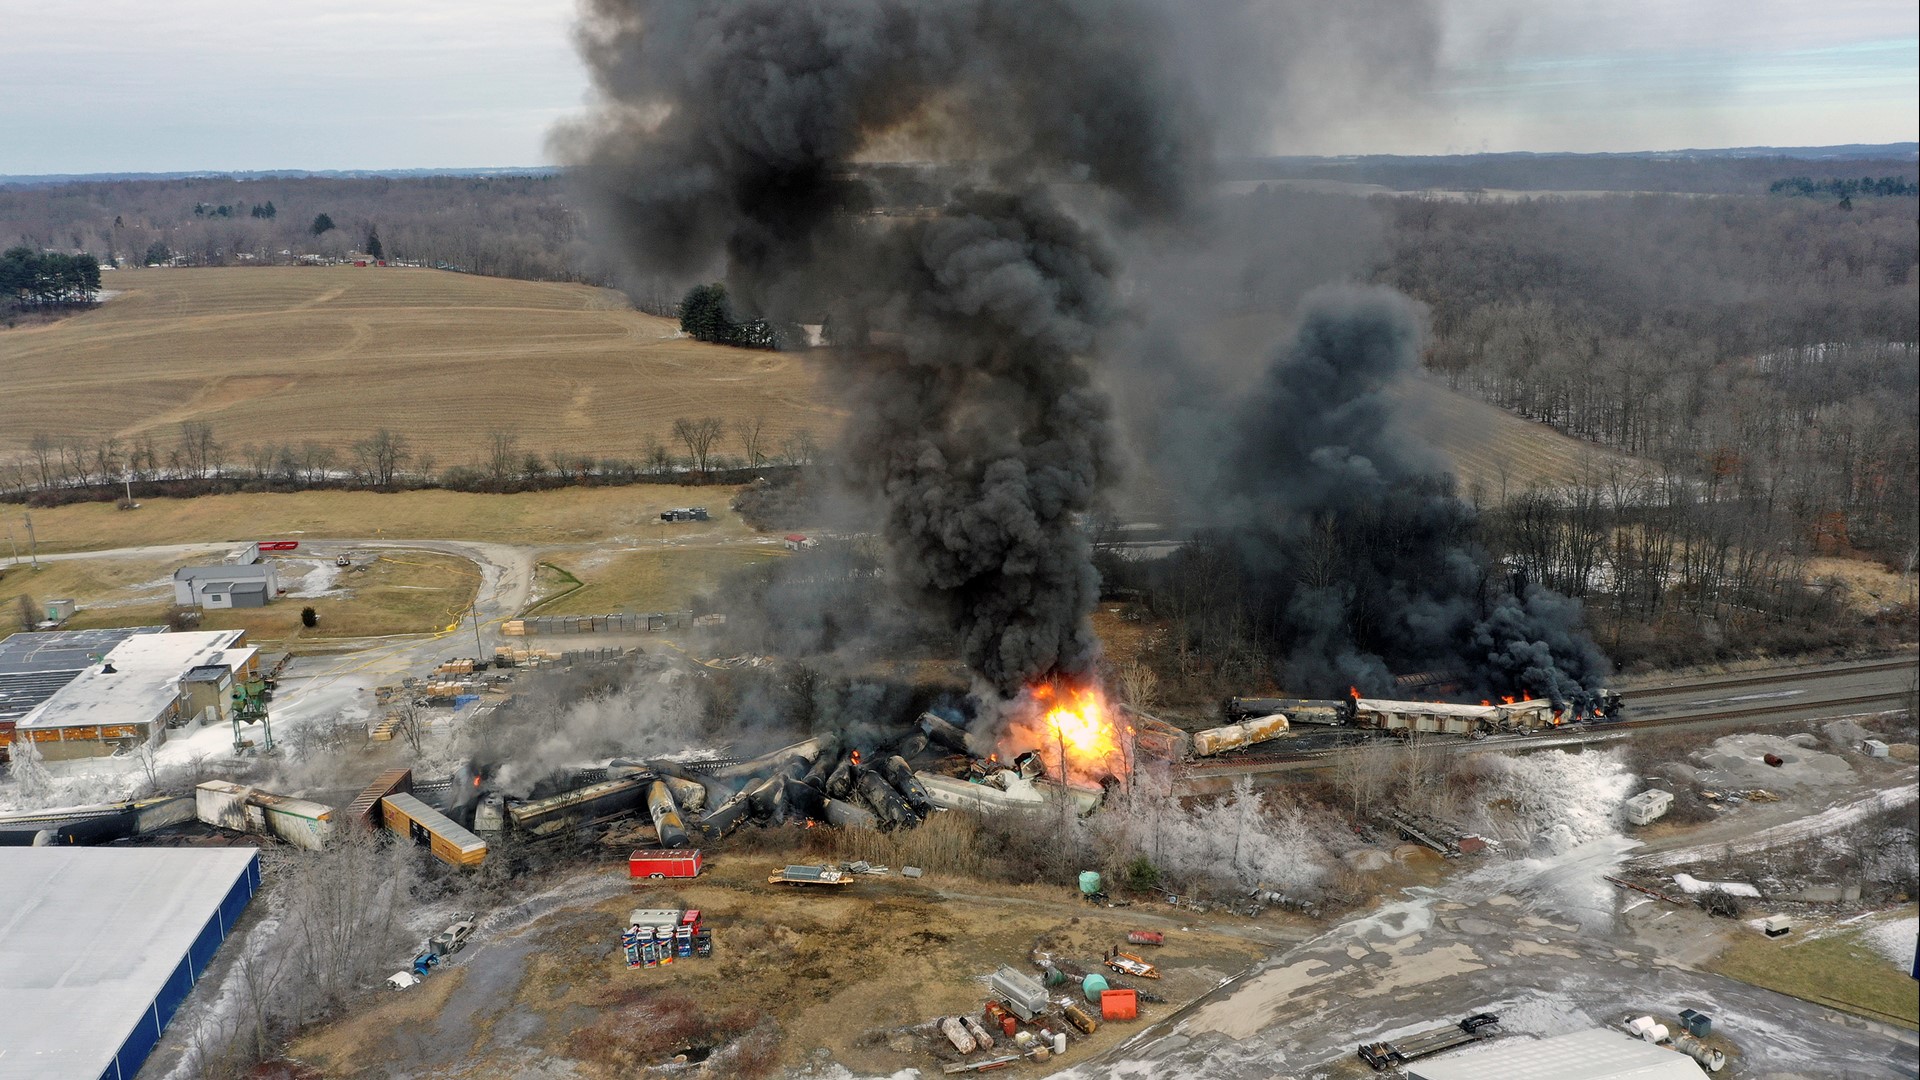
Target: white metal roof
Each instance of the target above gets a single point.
(95, 933)
(144, 681)
(1596, 1054)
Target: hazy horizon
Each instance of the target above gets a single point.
(353, 85)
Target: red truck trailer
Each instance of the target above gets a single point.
(279, 545)
(664, 863)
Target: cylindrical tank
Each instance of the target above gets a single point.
(1093, 986)
(689, 795)
(1710, 1059)
(805, 801)
(823, 766)
(843, 779)
(1089, 882)
(727, 816)
(885, 802)
(846, 815)
(768, 799)
(900, 775)
(666, 816)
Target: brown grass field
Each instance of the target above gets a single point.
(654, 579)
(289, 355)
(563, 516)
(399, 592)
(273, 355)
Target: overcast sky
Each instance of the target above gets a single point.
(174, 85)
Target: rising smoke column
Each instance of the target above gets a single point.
(1346, 539)
(728, 141)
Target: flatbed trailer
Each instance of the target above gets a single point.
(1388, 1053)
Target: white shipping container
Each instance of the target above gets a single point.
(222, 804)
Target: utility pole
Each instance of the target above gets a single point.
(479, 650)
(33, 546)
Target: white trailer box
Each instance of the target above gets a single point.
(1648, 806)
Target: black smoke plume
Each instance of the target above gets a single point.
(1343, 539)
(730, 140)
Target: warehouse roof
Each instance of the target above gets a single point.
(144, 682)
(33, 666)
(96, 933)
(1597, 1054)
(225, 572)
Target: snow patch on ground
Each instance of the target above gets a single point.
(1557, 801)
(1894, 940)
(1693, 886)
(1739, 761)
(318, 579)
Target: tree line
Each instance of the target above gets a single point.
(30, 278)
(1841, 187)
(194, 461)
(504, 226)
(1763, 351)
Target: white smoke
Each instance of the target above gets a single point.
(1244, 836)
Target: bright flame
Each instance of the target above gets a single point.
(1074, 723)
(856, 757)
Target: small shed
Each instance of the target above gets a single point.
(1873, 747)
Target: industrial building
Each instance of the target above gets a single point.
(227, 585)
(33, 666)
(125, 696)
(1597, 1054)
(102, 946)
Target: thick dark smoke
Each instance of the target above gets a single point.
(730, 142)
(1345, 537)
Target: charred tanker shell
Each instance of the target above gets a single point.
(886, 803)
(666, 816)
(846, 815)
(727, 815)
(944, 733)
(912, 746)
(767, 800)
(794, 767)
(690, 795)
(843, 780)
(823, 765)
(805, 801)
(900, 775)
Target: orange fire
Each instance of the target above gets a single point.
(1069, 722)
(856, 757)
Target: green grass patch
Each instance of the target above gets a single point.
(1839, 970)
(654, 579)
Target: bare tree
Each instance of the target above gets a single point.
(409, 723)
(752, 431)
(199, 451)
(502, 445)
(380, 457)
(800, 448)
(1360, 774)
(1139, 683)
(699, 435)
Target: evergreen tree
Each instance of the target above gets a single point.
(373, 243)
(322, 223)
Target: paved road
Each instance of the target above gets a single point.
(1544, 943)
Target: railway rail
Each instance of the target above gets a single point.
(1726, 713)
(1730, 682)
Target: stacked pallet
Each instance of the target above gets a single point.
(383, 731)
(455, 667)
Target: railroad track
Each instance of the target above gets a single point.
(1731, 682)
(1571, 735)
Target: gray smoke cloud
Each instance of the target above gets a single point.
(731, 138)
(1343, 538)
